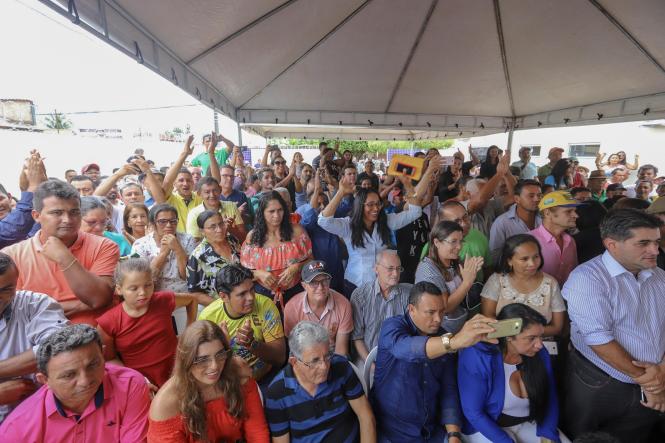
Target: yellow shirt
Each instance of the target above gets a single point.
(227, 209)
(183, 209)
(266, 327)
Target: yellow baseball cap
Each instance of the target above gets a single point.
(557, 198)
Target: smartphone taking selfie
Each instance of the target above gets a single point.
(506, 328)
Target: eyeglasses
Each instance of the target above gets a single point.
(464, 219)
(320, 283)
(216, 227)
(453, 243)
(92, 224)
(167, 221)
(317, 361)
(373, 204)
(220, 357)
(280, 162)
(391, 269)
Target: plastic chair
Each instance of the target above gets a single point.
(367, 370)
(359, 375)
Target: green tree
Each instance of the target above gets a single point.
(57, 121)
(360, 147)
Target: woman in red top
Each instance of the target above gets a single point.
(138, 333)
(205, 399)
(276, 250)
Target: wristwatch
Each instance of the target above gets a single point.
(455, 434)
(445, 340)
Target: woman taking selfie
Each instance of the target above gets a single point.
(521, 280)
(205, 399)
(507, 391)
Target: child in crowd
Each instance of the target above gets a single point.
(138, 333)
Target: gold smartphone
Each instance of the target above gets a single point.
(506, 328)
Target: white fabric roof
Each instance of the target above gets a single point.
(419, 67)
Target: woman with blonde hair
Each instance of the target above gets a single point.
(205, 400)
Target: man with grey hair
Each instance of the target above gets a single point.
(317, 396)
(82, 398)
(378, 300)
(26, 320)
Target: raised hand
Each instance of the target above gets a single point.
(471, 267)
(189, 149)
(472, 332)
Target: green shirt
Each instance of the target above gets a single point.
(545, 170)
(475, 244)
(599, 198)
(203, 160)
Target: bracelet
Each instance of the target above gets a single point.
(455, 434)
(69, 266)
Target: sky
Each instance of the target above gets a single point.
(60, 66)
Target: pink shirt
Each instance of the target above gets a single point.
(556, 261)
(117, 413)
(337, 316)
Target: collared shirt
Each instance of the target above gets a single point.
(226, 209)
(529, 172)
(370, 309)
(506, 225)
(557, 262)
(118, 413)
(203, 160)
(183, 208)
(24, 324)
(169, 279)
(98, 255)
(17, 224)
(606, 302)
(336, 316)
(360, 267)
(413, 396)
(324, 417)
(325, 246)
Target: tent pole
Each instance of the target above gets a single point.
(510, 139)
(239, 135)
(215, 120)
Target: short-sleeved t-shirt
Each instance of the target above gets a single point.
(147, 343)
(337, 316)
(203, 160)
(227, 209)
(264, 319)
(183, 208)
(36, 273)
(546, 299)
(325, 417)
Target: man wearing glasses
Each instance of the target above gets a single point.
(375, 301)
(73, 267)
(320, 304)
(317, 396)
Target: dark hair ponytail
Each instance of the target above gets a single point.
(534, 373)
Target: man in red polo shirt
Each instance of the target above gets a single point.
(73, 267)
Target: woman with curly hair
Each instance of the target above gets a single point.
(275, 250)
(205, 399)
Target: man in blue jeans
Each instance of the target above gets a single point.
(415, 394)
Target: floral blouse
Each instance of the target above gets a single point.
(546, 299)
(169, 279)
(277, 259)
(204, 264)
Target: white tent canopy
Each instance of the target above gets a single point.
(397, 68)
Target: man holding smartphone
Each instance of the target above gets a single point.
(415, 394)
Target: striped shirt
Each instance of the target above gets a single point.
(370, 309)
(325, 417)
(606, 302)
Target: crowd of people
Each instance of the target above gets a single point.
(209, 300)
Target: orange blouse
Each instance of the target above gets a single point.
(277, 258)
(222, 427)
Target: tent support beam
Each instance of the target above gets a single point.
(628, 35)
(330, 33)
(240, 31)
(504, 57)
(509, 145)
(414, 47)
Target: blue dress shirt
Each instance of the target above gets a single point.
(17, 224)
(413, 396)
